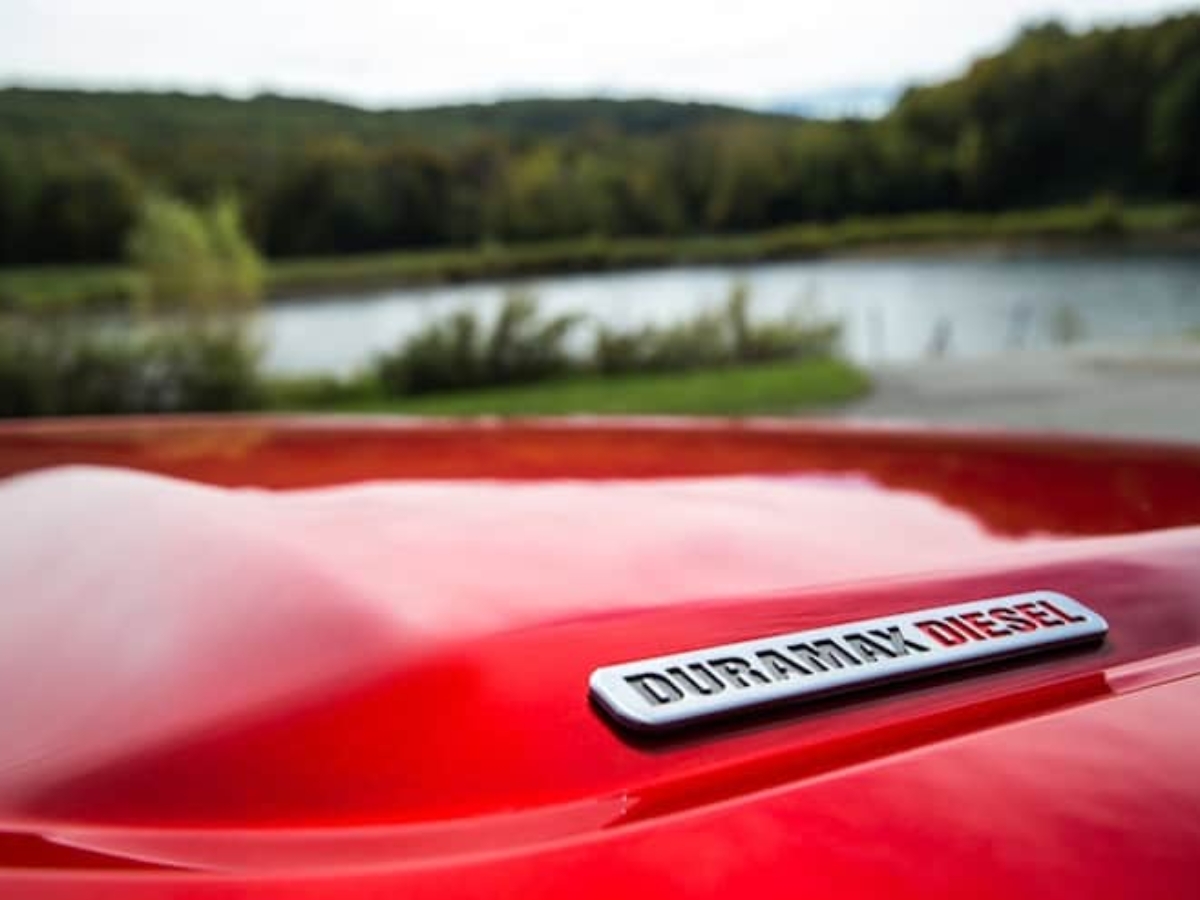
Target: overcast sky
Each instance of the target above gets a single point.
(377, 52)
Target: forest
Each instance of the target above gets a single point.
(1054, 118)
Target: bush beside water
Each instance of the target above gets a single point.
(62, 370)
(457, 352)
(188, 347)
(195, 258)
(721, 337)
(201, 361)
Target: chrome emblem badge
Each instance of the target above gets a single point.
(671, 691)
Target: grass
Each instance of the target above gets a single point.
(98, 286)
(65, 288)
(777, 387)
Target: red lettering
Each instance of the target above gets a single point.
(1066, 618)
(1040, 616)
(984, 624)
(1012, 618)
(945, 634)
(963, 626)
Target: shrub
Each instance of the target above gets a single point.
(239, 269)
(47, 368)
(169, 245)
(24, 388)
(524, 347)
(455, 352)
(698, 342)
(198, 258)
(211, 368)
(1106, 215)
(621, 351)
(715, 338)
(445, 355)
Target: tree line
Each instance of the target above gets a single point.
(1055, 117)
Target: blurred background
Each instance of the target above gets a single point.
(983, 213)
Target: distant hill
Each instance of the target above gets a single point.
(139, 118)
(1056, 117)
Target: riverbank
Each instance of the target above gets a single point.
(1101, 226)
(765, 388)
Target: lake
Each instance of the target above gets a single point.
(891, 309)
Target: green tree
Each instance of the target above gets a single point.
(169, 246)
(238, 268)
(414, 187)
(329, 202)
(747, 175)
(1056, 116)
(11, 202)
(85, 202)
(200, 258)
(1175, 130)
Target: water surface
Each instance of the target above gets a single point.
(891, 309)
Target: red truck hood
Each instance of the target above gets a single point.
(294, 658)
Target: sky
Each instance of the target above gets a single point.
(378, 53)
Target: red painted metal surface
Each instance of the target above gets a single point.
(267, 658)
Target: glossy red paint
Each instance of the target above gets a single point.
(306, 658)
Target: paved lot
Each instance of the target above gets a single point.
(1141, 391)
